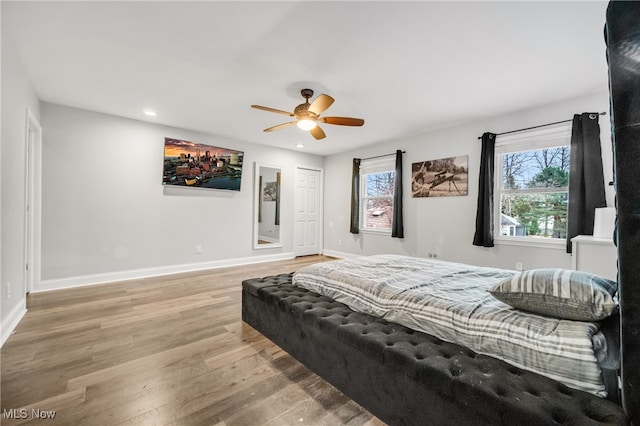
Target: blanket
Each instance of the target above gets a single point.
(451, 301)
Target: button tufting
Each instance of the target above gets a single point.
(558, 416)
(565, 390)
(599, 417)
(501, 392)
(493, 377)
(532, 391)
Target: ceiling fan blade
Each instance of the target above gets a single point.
(280, 126)
(317, 133)
(279, 111)
(321, 103)
(343, 121)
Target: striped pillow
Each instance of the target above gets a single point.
(559, 293)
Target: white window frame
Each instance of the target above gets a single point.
(546, 137)
(377, 165)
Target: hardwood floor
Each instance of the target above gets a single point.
(170, 350)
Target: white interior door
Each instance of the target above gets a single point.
(32, 202)
(308, 215)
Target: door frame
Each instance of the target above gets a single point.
(33, 201)
(320, 206)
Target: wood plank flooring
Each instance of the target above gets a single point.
(170, 350)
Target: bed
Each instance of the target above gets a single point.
(453, 302)
(357, 323)
(407, 376)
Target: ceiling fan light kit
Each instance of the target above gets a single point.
(308, 115)
(306, 124)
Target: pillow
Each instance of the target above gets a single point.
(559, 293)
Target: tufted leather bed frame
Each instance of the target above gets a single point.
(623, 54)
(406, 377)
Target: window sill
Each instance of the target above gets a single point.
(376, 232)
(554, 244)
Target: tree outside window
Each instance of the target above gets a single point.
(534, 193)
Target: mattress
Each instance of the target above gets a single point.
(451, 301)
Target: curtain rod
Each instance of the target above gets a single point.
(379, 156)
(535, 127)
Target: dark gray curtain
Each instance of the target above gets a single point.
(586, 179)
(355, 197)
(397, 226)
(484, 215)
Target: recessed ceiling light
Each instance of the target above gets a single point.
(299, 145)
(149, 112)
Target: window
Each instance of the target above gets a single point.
(532, 173)
(377, 182)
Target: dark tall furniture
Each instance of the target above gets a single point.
(623, 52)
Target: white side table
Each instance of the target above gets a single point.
(595, 255)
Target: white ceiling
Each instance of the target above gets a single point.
(405, 67)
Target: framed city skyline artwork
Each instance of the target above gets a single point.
(198, 165)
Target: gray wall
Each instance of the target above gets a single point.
(17, 96)
(106, 215)
(445, 226)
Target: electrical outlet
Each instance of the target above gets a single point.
(518, 266)
(199, 249)
(339, 241)
(8, 290)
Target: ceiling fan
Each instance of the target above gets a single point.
(308, 115)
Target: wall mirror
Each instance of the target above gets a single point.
(266, 220)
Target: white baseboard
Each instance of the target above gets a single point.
(62, 283)
(341, 254)
(12, 320)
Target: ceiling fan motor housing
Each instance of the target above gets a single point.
(302, 111)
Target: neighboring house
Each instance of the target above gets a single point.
(511, 227)
(379, 218)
